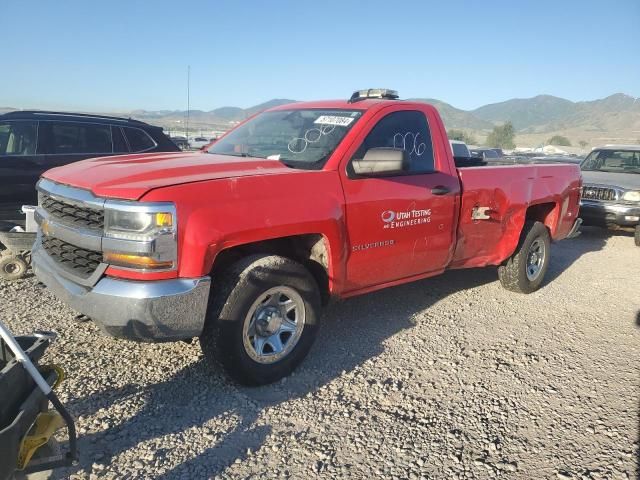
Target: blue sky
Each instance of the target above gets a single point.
(132, 54)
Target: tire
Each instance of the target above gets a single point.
(12, 267)
(637, 235)
(250, 297)
(524, 271)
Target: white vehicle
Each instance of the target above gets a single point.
(196, 143)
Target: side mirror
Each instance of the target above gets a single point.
(382, 161)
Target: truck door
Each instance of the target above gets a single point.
(403, 225)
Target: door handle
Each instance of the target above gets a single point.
(440, 190)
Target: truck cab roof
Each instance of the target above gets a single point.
(360, 100)
(335, 104)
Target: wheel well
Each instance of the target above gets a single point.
(545, 213)
(310, 250)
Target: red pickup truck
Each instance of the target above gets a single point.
(242, 244)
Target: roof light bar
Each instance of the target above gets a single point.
(373, 93)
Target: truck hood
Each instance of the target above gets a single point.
(628, 181)
(129, 177)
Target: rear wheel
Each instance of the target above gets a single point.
(524, 271)
(262, 320)
(637, 236)
(12, 267)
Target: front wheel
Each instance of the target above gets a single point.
(524, 271)
(262, 320)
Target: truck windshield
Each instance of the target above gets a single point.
(623, 161)
(299, 138)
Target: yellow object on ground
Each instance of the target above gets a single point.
(46, 425)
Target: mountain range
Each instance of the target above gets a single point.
(616, 117)
(222, 116)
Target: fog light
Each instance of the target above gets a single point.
(135, 261)
(632, 218)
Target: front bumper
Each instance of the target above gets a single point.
(150, 311)
(609, 214)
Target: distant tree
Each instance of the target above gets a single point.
(583, 144)
(559, 141)
(502, 136)
(462, 136)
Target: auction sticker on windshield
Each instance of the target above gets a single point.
(334, 120)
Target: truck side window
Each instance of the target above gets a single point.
(18, 138)
(407, 130)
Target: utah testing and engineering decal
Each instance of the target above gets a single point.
(408, 218)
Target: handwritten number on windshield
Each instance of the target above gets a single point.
(312, 135)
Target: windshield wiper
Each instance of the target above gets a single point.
(287, 163)
(234, 154)
(231, 154)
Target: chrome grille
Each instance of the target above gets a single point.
(599, 193)
(78, 260)
(73, 214)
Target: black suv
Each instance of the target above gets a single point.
(32, 142)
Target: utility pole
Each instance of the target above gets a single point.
(188, 98)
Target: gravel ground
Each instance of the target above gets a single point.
(451, 377)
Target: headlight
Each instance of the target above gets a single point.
(139, 225)
(140, 236)
(631, 196)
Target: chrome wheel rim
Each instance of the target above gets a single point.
(273, 325)
(535, 259)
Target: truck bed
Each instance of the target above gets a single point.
(512, 194)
